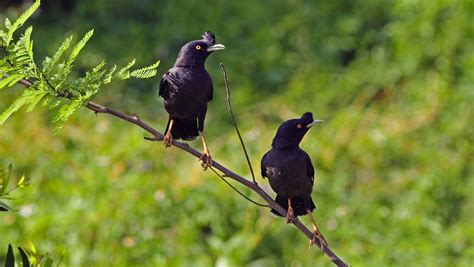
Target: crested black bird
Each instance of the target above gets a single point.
(186, 89)
(290, 171)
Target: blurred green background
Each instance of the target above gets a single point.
(393, 81)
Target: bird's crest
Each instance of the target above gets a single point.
(209, 37)
(307, 118)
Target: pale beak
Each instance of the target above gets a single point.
(313, 123)
(215, 47)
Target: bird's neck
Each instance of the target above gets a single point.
(285, 144)
(190, 65)
(189, 62)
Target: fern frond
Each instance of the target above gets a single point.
(65, 68)
(22, 55)
(64, 113)
(28, 96)
(142, 74)
(10, 80)
(38, 97)
(78, 47)
(20, 21)
(99, 67)
(124, 72)
(145, 72)
(49, 63)
(8, 23)
(108, 76)
(27, 42)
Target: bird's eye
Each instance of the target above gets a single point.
(198, 47)
(299, 126)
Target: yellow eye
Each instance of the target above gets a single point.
(299, 126)
(198, 47)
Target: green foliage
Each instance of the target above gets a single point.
(52, 81)
(29, 257)
(5, 191)
(11, 28)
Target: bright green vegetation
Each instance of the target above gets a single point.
(393, 81)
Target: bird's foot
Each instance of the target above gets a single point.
(206, 160)
(168, 139)
(322, 240)
(290, 215)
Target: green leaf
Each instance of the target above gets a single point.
(145, 72)
(78, 47)
(64, 113)
(142, 74)
(124, 73)
(5, 178)
(24, 257)
(10, 259)
(10, 80)
(36, 100)
(28, 96)
(8, 23)
(31, 247)
(22, 182)
(49, 63)
(48, 262)
(20, 21)
(5, 207)
(55, 104)
(28, 44)
(108, 76)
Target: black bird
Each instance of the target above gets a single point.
(290, 171)
(186, 88)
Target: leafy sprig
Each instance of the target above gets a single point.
(51, 83)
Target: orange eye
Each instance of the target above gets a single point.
(198, 47)
(299, 126)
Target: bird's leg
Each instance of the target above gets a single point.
(316, 232)
(168, 138)
(206, 160)
(290, 214)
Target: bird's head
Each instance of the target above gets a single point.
(291, 132)
(195, 52)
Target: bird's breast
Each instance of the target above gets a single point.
(190, 92)
(287, 175)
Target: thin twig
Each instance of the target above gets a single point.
(97, 108)
(226, 82)
(236, 190)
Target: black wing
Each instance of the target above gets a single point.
(167, 85)
(309, 168)
(163, 85)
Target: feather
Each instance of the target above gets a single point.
(307, 117)
(209, 37)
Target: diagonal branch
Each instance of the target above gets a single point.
(134, 119)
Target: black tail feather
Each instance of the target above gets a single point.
(185, 129)
(299, 204)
